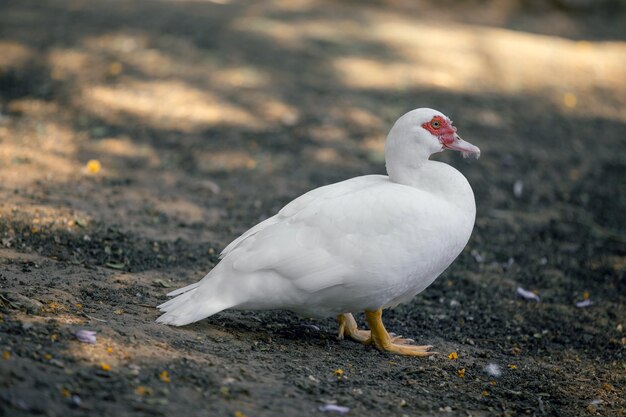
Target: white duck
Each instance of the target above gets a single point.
(364, 244)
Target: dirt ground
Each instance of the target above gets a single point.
(206, 117)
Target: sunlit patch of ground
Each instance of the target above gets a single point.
(14, 55)
(164, 105)
(462, 58)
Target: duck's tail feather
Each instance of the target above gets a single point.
(182, 290)
(185, 308)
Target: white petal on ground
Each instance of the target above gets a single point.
(493, 370)
(334, 408)
(86, 336)
(518, 188)
(527, 295)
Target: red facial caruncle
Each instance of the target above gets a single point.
(442, 128)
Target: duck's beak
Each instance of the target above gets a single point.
(456, 143)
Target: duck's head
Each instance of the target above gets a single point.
(423, 132)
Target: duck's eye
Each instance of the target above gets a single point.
(436, 124)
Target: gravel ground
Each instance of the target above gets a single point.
(206, 117)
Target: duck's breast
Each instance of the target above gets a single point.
(422, 236)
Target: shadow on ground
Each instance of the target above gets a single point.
(208, 116)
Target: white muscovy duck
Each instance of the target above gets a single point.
(364, 244)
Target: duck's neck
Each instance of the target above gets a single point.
(407, 173)
(439, 179)
(405, 157)
(424, 175)
(407, 150)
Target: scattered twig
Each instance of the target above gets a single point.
(93, 318)
(11, 303)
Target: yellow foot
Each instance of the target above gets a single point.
(378, 336)
(399, 340)
(348, 327)
(383, 341)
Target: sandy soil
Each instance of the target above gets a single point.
(207, 116)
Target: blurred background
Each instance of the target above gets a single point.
(138, 138)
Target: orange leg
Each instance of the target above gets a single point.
(348, 327)
(378, 335)
(383, 341)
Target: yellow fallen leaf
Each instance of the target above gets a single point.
(165, 377)
(608, 387)
(52, 306)
(6, 355)
(239, 414)
(105, 367)
(110, 349)
(586, 295)
(65, 392)
(141, 390)
(452, 356)
(47, 356)
(512, 366)
(94, 166)
(485, 393)
(339, 372)
(569, 100)
(461, 373)
(574, 174)
(115, 68)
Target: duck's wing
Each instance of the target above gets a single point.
(295, 206)
(326, 238)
